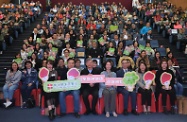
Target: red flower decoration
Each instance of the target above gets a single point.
(149, 76)
(73, 73)
(165, 77)
(43, 74)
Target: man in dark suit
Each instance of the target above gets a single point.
(124, 90)
(89, 88)
(35, 34)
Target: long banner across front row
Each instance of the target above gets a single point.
(74, 80)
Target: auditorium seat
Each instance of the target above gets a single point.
(139, 103)
(120, 105)
(83, 108)
(154, 43)
(17, 97)
(162, 51)
(159, 104)
(102, 105)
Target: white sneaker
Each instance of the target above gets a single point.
(1, 52)
(107, 114)
(114, 114)
(5, 104)
(8, 104)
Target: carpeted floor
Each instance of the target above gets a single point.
(33, 115)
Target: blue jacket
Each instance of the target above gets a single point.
(144, 30)
(30, 78)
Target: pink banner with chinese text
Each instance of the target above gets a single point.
(114, 82)
(92, 78)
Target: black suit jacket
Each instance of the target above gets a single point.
(37, 36)
(87, 86)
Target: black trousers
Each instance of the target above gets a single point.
(146, 96)
(85, 94)
(1, 45)
(171, 94)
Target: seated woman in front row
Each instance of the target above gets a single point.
(161, 89)
(109, 92)
(13, 78)
(142, 89)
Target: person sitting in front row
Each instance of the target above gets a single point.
(109, 92)
(13, 78)
(90, 88)
(74, 93)
(29, 79)
(124, 90)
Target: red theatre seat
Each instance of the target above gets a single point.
(38, 97)
(159, 103)
(17, 97)
(102, 105)
(34, 94)
(120, 104)
(83, 108)
(139, 103)
(70, 106)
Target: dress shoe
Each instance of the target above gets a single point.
(125, 112)
(50, 115)
(77, 115)
(134, 112)
(62, 114)
(87, 112)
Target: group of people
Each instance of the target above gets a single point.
(12, 19)
(165, 16)
(103, 31)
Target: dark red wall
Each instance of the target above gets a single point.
(126, 3)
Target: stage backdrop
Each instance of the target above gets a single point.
(126, 3)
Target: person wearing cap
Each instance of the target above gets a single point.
(29, 79)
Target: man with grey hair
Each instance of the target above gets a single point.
(89, 88)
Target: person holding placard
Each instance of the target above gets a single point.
(108, 92)
(125, 91)
(74, 93)
(111, 50)
(144, 86)
(51, 98)
(165, 80)
(90, 88)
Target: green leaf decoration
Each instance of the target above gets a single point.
(148, 49)
(126, 52)
(38, 40)
(130, 78)
(111, 50)
(79, 42)
(72, 55)
(51, 58)
(18, 60)
(141, 47)
(61, 85)
(30, 53)
(54, 49)
(113, 28)
(101, 40)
